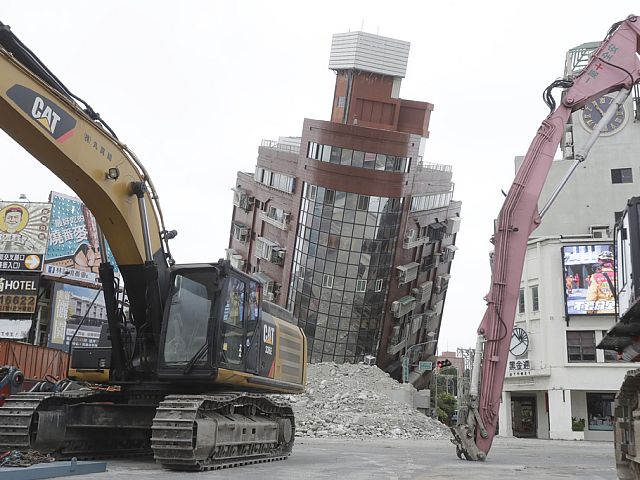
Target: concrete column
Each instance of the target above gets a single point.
(505, 420)
(560, 415)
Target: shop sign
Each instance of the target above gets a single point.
(519, 368)
(18, 293)
(14, 329)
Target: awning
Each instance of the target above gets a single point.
(262, 277)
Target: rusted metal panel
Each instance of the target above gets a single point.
(36, 362)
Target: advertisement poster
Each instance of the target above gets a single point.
(70, 304)
(23, 235)
(73, 251)
(18, 292)
(589, 280)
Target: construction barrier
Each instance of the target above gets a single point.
(34, 361)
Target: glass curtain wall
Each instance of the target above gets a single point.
(341, 271)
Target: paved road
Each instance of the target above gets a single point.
(403, 459)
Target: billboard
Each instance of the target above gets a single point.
(23, 235)
(72, 303)
(589, 280)
(73, 250)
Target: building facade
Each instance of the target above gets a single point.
(557, 380)
(347, 226)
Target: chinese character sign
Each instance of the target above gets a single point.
(14, 329)
(589, 279)
(73, 249)
(23, 235)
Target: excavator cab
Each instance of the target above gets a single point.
(214, 330)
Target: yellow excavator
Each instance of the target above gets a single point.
(195, 355)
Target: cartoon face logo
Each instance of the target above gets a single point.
(13, 218)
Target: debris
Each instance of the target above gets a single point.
(354, 401)
(17, 458)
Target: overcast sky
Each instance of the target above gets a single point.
(193, 87)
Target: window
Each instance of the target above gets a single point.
(361, 286)
(379, 285)
(327, 281)
(600, 411)
(240, 232)
(534, 299)
(581, 346)
(311, 192)
(521, 301)
(329, 197)
(363, 202)
(621, 175)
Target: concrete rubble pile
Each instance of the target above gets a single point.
(357, 401)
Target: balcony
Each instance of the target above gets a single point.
(240, 232)
(422, 165)
(409, 243)
(270, 251)
(281, 222)
(283, 147)
(242, 199)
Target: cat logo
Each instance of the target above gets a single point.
(268, 332)
(45, 115)
(50, 116)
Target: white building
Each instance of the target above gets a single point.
(555, 373)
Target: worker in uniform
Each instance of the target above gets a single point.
(601, 285)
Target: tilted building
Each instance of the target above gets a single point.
(347, 225)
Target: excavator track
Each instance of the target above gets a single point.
(68, 424)
(626, 437)
(209, 432)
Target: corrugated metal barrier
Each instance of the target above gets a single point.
(34, 361)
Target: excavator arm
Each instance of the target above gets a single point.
(42, 115)
(613, 67)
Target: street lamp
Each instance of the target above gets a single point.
(407, 355)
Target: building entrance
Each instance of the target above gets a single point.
(523, 414)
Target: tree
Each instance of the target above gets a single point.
(447, 404)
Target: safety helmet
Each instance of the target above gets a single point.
(606, 256)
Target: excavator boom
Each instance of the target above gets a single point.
(613, 67)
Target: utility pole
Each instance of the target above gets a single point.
(435, 376)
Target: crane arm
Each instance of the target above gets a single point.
(613, 67)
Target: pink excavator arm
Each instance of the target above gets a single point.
(614, 66)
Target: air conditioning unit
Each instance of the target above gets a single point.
(270, 296)
(395, 307)
(286, 218)
(599, 231)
